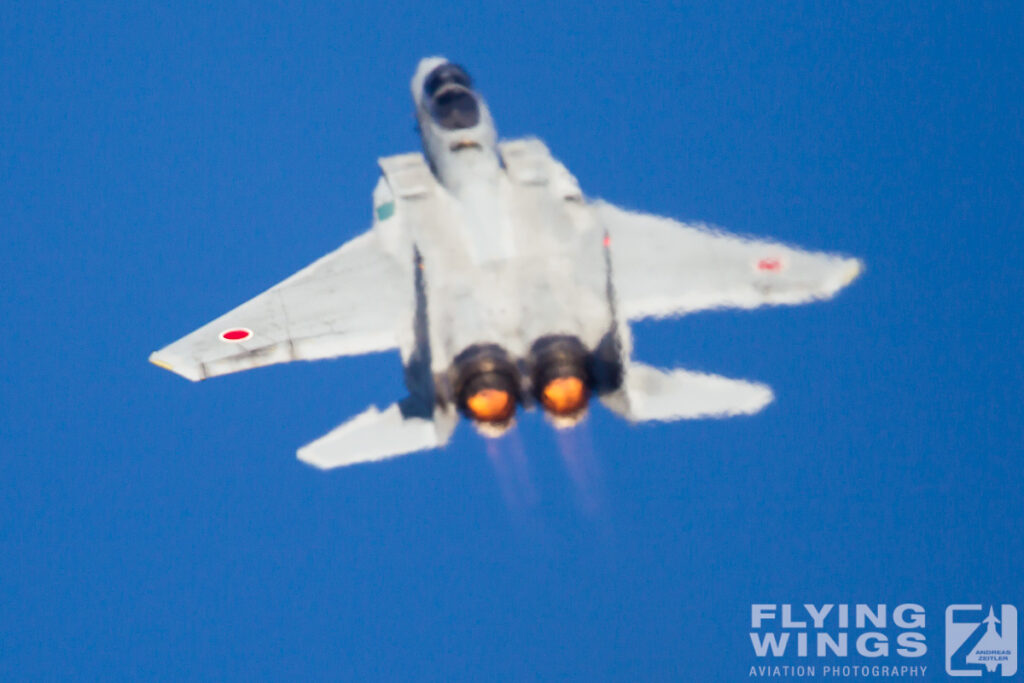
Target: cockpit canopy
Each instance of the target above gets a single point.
(446, 73)
(452, 103)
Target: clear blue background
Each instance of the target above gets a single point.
(161, 165)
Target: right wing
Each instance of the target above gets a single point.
(661, 267)
(354, 300)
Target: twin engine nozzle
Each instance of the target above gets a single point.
(488, 383)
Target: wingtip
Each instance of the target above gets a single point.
(306, 456)
(186, 372)
(765, 398)
(853, 270)
(160, 363)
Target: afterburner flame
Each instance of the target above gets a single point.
(490, 405)
(564, 395)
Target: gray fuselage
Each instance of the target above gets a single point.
(507, 250)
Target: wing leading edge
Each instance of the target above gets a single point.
(351, 301)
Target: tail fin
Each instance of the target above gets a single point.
(403, 428)
(651, 394)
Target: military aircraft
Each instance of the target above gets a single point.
(502, 286)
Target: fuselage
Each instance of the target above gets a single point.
(513, 269)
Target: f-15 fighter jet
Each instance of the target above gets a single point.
(503, 287)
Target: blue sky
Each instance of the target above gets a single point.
(161, 165)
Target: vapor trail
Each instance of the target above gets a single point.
(576, 446)
(511, 469)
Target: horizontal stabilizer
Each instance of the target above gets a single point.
(376, 435)
(648, 393)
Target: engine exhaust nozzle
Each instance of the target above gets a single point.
(560, 378)
(487, 387)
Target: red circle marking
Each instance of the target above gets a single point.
(607, 241)
(769, 264)
(236, 334)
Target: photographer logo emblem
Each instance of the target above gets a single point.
(981, 640)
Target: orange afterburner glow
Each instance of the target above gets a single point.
(491, 405)
(564, 395)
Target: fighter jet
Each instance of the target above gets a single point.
(503, 287)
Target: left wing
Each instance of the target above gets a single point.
(354, 300)
(661, 267)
